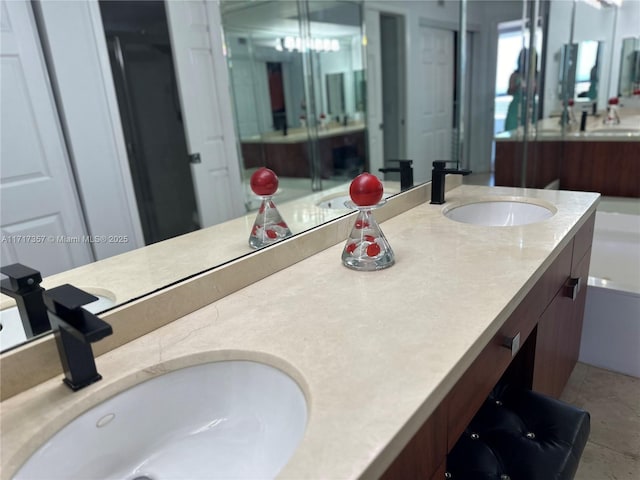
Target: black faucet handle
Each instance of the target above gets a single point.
(66, 302)
(442, 163)
(440, 166)
(20, 278)
(66, 298)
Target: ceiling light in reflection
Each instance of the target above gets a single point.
(291, 44)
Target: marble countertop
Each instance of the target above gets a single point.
(374, 361)
(548, 129)
(141, 271)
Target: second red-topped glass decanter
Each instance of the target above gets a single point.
(367, 248)
(269, 227)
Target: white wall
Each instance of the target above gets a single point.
(483, 17)
(250, 87)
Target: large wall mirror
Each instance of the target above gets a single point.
(149, 140)
(580, 50)
(629, 83)
(316, 90)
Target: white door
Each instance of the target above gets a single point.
(40, 214)
(375, 121)
(203, 82)
(435, 71)
(245, 98)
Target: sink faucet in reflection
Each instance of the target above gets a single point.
(437, 180)
(75, 329)
(23, 285)
(405, 169)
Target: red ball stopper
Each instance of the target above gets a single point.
(264, 182)
(366, 190)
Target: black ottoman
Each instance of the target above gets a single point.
(520, 435)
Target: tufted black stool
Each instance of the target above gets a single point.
(520, 435)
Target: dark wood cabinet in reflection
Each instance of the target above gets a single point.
(611, 168)
(341, 153)
(543, 163)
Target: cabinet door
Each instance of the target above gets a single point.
(551, 346)
(425, 454)
(572, 332)
(559, 333)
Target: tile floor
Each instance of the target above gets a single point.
(613, 400)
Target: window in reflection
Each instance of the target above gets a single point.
(511, 75)
(587, 70)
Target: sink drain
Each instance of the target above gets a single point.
(142, 477)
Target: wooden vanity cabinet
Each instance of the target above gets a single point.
(609, 167)
(425, 453)
(560, 326)
(548, 322)
(292, 158)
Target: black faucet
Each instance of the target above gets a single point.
(406, 172)
(75, 329)
(583, 121)
(23, 284)
(437, 180)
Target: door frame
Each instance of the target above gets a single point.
(402, 82)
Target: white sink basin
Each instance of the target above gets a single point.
(499, 213)
(231, 420)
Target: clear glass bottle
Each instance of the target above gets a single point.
(269, 227)
(612, 117)
(367, 248)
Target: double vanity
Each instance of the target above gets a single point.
(602, 158)
(388, 366)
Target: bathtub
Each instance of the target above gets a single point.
(611, 330)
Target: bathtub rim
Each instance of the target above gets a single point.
(604, 284)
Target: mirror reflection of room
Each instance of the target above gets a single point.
(629, 83)
(307, 129)
(585, 119)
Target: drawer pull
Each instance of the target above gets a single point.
(572, 287)
(512, 343)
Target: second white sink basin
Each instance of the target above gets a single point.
(231, 420)
(499, 213)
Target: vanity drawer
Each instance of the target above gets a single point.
(468, 395)
(425, 454)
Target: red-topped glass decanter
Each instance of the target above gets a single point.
(269, 226)
(367, 248)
